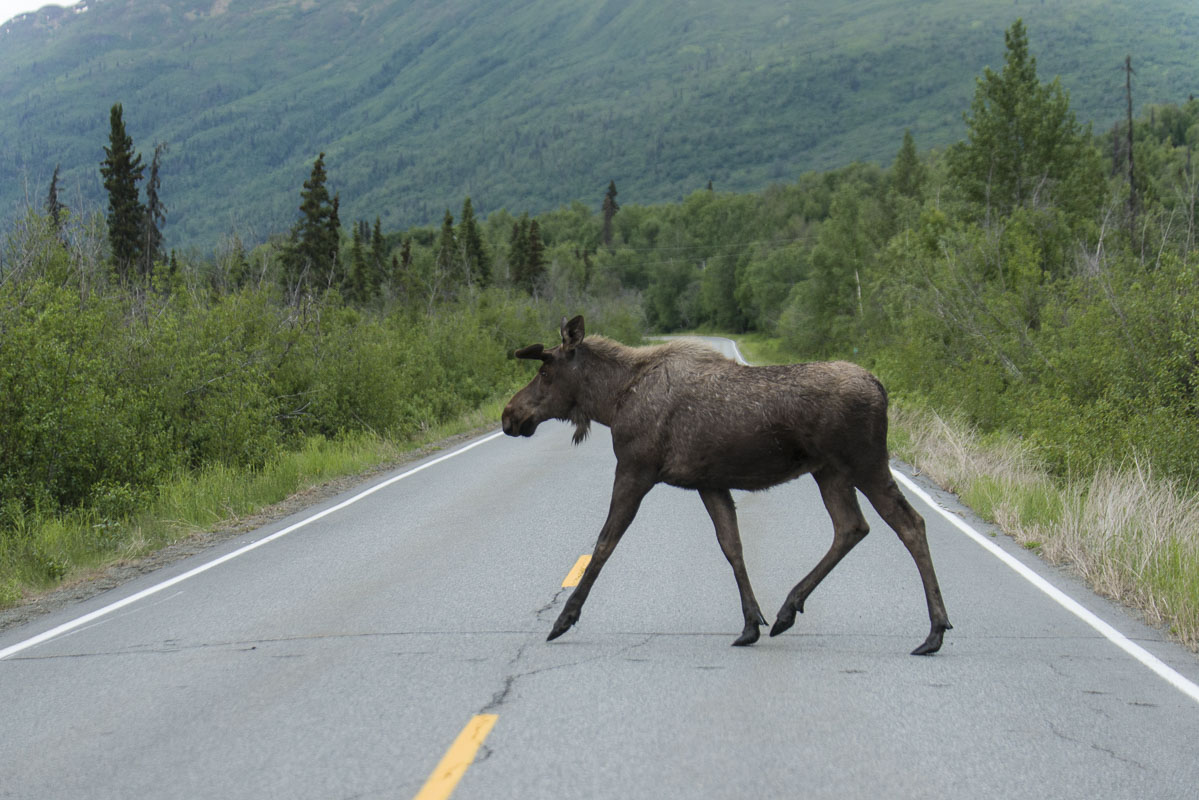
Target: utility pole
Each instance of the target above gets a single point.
(1132, 183)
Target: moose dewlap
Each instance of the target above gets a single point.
(682, 414)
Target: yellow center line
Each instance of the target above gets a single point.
(576, 572)
(461, 755)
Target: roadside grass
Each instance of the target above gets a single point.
(1131, 535)
(48, 551)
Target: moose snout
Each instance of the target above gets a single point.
(516, 424)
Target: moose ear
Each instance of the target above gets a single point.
(572, 333)
(532, 351)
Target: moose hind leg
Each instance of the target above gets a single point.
(723, 512)
(849, 528)
(893, 507)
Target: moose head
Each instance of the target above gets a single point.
(554, 391)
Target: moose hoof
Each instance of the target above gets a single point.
(782, 623)
(565, 620)
(748, 636)
(933, 643)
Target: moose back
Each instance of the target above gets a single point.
(680, 413)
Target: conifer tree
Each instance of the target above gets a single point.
(156, 214)
(122, 169)
(478, 262)
(447, 262)
(907, 173)
(1023, 140)
(54, 207)
(535, 266)
(518, 253)
(401, 271)
(356, 276)
(312, 256)
(239, 269)
(610, 208)
(377, 260)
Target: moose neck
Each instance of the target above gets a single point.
(609, 367)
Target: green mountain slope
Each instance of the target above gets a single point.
(526, 105)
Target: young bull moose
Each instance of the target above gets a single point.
(683, 414)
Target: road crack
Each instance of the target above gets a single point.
(1097, 747)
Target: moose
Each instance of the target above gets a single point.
(683, 414)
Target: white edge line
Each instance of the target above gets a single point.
(1163, 670)
(144, 593)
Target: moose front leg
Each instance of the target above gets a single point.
(723, 512)
(627, 493)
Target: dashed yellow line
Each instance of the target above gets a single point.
(461, 755)
(576, 572)
(453, 764)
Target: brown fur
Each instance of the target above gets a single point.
(683, 414)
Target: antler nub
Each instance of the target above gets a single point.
(532, 351)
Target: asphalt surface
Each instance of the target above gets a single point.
(342, 659)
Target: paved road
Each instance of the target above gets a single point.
(343, 658)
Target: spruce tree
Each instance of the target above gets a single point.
(1023, 141)
(356, 275)
(239, 269)
(122, 169)
(535, 268)
(377, 260)
(478, 262)
(447, 263)
(610, 208)
(54, 207)
(907, 173)
(155, 216)
(312, 256)
(401, 274)
(518, 253)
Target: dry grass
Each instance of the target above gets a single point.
(1131, 535)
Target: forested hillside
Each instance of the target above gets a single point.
(526, 105)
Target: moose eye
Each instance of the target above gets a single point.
(544, 373)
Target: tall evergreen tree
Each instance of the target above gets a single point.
(122, 169)
(156, 214)
(54, 206)
(609, 209)
(518, 253)
(312, 257)
(377, 259)
(535, 266)
(1023, 140)
(401, 272)
(447, 264)
(239, 268)
(478, 262)
(356, 275)
(907, 173)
